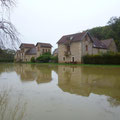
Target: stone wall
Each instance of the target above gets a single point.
(112, 47)
(27, 58)
(75, 53)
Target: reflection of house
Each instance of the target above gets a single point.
(86, 80)
(44, 75)
(27, 51)
(71, 48)
(40, 74)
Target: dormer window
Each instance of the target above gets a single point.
(71, 37)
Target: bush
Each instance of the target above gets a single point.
(32, 60)
(45, 58)
(7, 55)
(54, 59)
(108, 58)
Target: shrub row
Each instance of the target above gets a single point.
(102, 59)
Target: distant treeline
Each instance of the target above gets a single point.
(7, 55)
(112, 30)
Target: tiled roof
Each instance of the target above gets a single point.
(98, 44)
(25, 45)
(72, 38)
(107, 42)
(44, 44)
(31, 51)
(79, 37)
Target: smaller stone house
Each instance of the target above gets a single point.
(110, 43)
(27, 51)
(43, 48)
(71, 48)
(55, 52)
(18, 56)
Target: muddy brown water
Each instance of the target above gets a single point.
(49, 92)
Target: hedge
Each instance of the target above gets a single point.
(6, 60)
(113, 59)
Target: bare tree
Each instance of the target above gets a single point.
(7, 3)
(8, 31)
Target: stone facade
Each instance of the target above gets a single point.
(27, 51)
(41, 49)
(72, 48)
(55, 52)
(110, 43)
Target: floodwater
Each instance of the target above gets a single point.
(49, 92)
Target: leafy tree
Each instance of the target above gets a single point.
(45, 58)
(7, 55)
(54, 59)
(112, 30)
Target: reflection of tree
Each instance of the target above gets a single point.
(8, 109)
(6, 68)
(86, 80)
(113, 102)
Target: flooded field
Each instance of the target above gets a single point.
(49, 92)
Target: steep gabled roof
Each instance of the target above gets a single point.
(31, 51)
(47, 45)
(107, 42)
(79, 37)
(98, 44)
(26, 45)
(73, 38)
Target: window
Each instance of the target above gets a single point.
(73, 59)
(68, 48)
(86, 47)
(63, 58)
(85, 38)
(38, 49)
(43, 50)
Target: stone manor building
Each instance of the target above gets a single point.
(71, 48)
(27, 51)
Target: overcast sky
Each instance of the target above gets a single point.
(48, 20)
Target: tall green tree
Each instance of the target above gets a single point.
(111, 30)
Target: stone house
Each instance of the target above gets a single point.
(71, 48)
(55, 52)
(43, 48)
(111, 46)
(27, 51)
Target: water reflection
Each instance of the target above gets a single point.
(86, 80)
(78, 80)
(70, 90)
(11, 109)
(38, 73)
